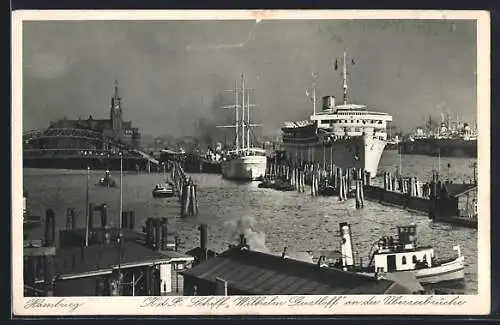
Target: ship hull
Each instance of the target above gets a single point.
(128, 164)
(446, 272)
(244, 168)
(440, 147)
(355, 152)
(452, 271)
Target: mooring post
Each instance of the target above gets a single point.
(203, 243)
(164, 233)
(125, 219)
(312, 184)
(362, 195)
(49, 227)
(131, 223)
(70, 219)
(358, 195)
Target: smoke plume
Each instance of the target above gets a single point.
(246, 226)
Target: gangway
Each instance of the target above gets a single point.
(146, 156)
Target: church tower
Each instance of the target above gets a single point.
(116, 112)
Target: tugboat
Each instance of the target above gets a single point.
(107, 181)
(163, 190)
(402, 255)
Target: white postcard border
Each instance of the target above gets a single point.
(279, 305)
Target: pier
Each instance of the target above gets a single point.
(441, 200)
(186, 191)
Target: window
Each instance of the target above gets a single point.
(403, 260)
(414, 259)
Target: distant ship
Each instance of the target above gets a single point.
(244, 162)
(449, 140)
(345, 136)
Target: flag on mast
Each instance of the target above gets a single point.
(336, 64)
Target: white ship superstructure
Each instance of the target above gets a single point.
(345, 136)
(245, 162)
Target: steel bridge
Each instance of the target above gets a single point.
(90, 144)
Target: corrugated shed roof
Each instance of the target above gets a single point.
(265, 274)
(102, 258)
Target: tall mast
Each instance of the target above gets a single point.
(344, 75)
(241, 120)
(237, 117)
(314, 97)
(121, 191)
(243, 111)
(248, 120)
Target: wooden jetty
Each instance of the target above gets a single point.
(190, 162)
(442, 200)
(186, 190)
(333, 181)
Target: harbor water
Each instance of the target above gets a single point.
(271, 220)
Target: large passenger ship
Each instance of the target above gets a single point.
(346, 136)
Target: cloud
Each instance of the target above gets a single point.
(47, 66)
(172, 72)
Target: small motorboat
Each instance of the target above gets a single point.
(107, 181)
(267, 183)
(327, 190)
(163, 190)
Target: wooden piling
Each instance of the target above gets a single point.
(125, 219)
(362, 195)
(70, 219)
(195, 199)
(164, 233)
(340, 184)
(49, 227)
(131, 223)
(358, 195)
(90, 221)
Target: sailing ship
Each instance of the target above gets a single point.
(244, 162)
(346, 136)
(402, 255)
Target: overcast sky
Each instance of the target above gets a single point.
(172, 74)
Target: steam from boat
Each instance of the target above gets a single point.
(246, 226)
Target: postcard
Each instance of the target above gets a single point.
(240, 162)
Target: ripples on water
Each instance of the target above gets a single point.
(291, 219)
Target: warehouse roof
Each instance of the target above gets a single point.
(266, 274)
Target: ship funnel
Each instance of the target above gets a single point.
(346, 245)
(328, 102)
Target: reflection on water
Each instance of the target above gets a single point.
(291, 219)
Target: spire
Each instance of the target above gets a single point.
(116, 99)
(116, 93)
